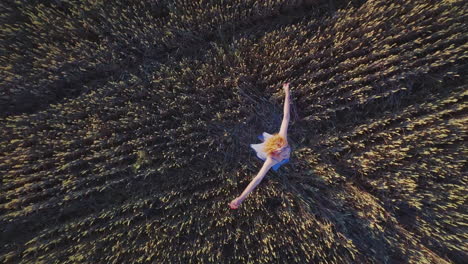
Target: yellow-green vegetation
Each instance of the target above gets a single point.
(125, 131)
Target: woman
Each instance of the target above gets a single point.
(275, 151)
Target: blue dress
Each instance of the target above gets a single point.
(258, 148)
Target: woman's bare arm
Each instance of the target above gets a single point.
(266, 166)
(284, 125)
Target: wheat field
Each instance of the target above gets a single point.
(125, 128)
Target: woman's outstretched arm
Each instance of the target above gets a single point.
(269, 162)
(287, 100)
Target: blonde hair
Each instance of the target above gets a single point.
(274, 143)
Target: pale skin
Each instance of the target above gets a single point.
(272, 159)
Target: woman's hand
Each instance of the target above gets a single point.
(253, 183)
(235, 203)
(286, 88)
